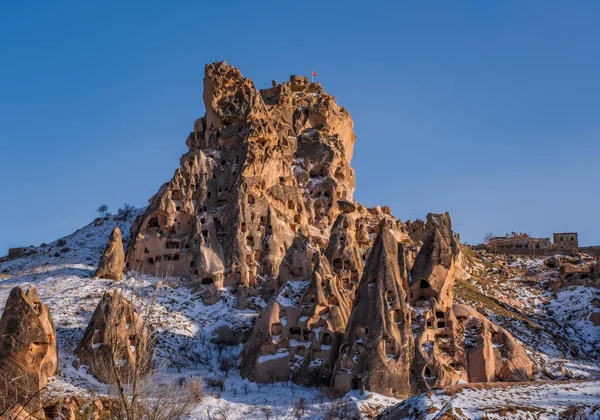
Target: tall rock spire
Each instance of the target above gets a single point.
(378, 345)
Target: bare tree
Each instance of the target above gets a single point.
(102, 210)
(267, 411)
(341, 409)
(222, 412)
(299, 408)
(20, 393)
(487, 237)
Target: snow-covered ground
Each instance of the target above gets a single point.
(558, 400)
(553, 326)
(62, 272)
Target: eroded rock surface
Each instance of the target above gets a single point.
(112, 263)
(263, 203)
(262, 166)
(28, 352)
(115, 336)
(378, 344)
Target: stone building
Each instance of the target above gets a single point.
(518, 241)
(567, 240)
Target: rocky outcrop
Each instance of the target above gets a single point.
(453, 344)
(491, 353)
(112, 263)
(297, 336)
(261, 167)
(116, 336)
(28, 352)
(378, 345)
(577, 275)
(262, 204)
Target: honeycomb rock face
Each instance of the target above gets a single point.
(297, 336)
(261, 168)
(454, 343)
(378, 345)
(28, 351)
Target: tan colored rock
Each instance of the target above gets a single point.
(112, 263)
(115, 336)
(492, 352)
(378, 344)
(298, 335)
(28, 352)
(577, 275)
(261, 168)
(455, 343)
(434, 269)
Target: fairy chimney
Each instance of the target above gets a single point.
(297, 336)
(28, 351)
(116, 336)
(378, 344)
(112, 263)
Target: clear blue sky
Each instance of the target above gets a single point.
(487, 109)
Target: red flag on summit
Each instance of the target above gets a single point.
(314, 73)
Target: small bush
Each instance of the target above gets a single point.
(195, 390)
(216, 382)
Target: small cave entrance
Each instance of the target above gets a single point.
(295, 332)
(355, 383)
(306, 334)
(424, 284)
(439, 315)
(337, 264)
(250, 240)
(207, 281)
(276, 329)
(327, 339)
(390, 346)
(441, 324)
(428, 374)
(290, 205)
(362, 332)
(250, 199)
(497, 340)
(397, 316)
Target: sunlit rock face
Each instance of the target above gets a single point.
(378, 345)
(116, 337)
(262, 167)
(112, 263)
(453, 342)
(28, 352)
(262, 203)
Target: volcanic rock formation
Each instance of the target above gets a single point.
(28, 352)
(378, 345)
(115, 336)
(298, 334)
(263, 203)
(112, 263)
(261, 167)
(450, 346)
